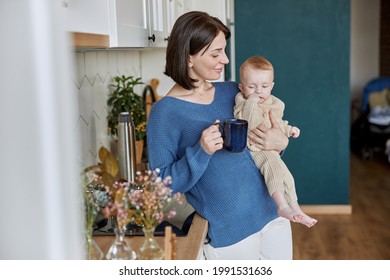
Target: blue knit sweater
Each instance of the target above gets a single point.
(225, 188)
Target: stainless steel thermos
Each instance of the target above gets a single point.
(126, 147)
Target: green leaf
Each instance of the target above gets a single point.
(123, 98)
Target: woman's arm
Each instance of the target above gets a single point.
(164, 138)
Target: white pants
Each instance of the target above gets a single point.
(273, 242)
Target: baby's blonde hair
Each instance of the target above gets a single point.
(257, 63)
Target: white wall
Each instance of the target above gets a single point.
(40, 204)
(94, 72)
(91, 79)
(153, 65)
(365, 16)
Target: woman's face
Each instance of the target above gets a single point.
(209, 64)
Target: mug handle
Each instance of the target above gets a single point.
(221, 128)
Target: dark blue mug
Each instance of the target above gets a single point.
(234, 134)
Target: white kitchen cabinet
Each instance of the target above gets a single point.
(141, 23)
(158, 32)
(129, 23)
(87, 16)
(216, 8)
(133, 23)
(175, 9)
(138, 23)
(163, 14)
(125, 22)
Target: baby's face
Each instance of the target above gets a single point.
(259, 82)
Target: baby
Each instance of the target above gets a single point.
(253, 104)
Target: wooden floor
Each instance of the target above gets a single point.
(363, 235)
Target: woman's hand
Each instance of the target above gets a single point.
(268, 138)
(211, 139)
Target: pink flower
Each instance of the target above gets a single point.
(153, 199)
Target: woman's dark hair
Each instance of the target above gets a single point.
(191, 32)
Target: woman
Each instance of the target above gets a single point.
(225, 188)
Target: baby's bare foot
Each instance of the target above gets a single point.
(303, 218)
(288, 213)
(307, 220)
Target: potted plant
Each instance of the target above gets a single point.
(123, 98)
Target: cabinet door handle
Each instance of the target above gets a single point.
(166, 39)
(153, 38)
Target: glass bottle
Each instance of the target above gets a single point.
(150, 250)
(120, 249)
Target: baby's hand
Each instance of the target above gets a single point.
(254, 97)
(294, 132)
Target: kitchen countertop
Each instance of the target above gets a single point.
(188, 247)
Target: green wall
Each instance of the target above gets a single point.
(308, 42)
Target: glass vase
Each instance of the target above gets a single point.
(93, 250)
(150, 250)
(120, 249)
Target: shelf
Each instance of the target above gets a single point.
(88, 40)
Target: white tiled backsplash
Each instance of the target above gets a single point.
(92, 77)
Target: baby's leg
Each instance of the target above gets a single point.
(305, 219)
(284, 209)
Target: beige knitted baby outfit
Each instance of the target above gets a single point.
(275, 172)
